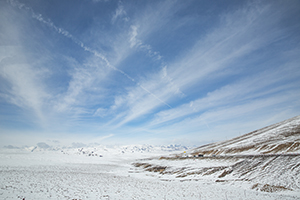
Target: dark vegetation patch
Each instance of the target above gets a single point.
(269, 188)
(225, 172)
(151, 168)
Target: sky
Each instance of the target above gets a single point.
(146, 72)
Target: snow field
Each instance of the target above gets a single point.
(54, 175)
(82, 181)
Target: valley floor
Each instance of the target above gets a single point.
(57, 176)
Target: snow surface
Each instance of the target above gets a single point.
(72, 174)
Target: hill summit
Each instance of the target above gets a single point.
(282, 137)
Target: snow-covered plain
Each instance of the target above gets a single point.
(72, 174)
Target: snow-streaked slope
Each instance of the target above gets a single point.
(282, 137)
(267, 160)
(278, 172)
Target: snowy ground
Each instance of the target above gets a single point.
(69, 175)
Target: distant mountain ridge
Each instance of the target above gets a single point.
(282, 137)
(130, 149)
(100, 150)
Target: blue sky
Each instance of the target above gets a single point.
(155, 72)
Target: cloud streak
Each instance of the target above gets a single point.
(86, 48)
(25, 90)
(120, 13)
(211, 58)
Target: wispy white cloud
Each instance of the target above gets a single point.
(169, 81)
(133, 41)
(86, 48)
(136, 103)
(137, 43)
(84, 79)
(218, 51)
(249, 88)
(101, 112)
(232, 120)
(234, 38)
(21, 79)
(120, 13)
(25, 87)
